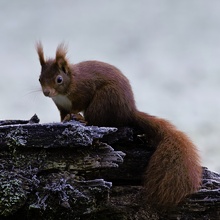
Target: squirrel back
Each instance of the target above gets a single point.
(104, 95)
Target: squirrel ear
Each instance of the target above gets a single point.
(61, 60)
(40, 52)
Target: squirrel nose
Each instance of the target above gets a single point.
(46, 92)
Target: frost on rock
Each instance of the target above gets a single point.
(49, 135)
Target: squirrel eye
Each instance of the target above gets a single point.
(59, 79)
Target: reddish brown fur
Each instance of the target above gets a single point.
(61, 56)
(105, 96)
(40, 52)
(174, 170)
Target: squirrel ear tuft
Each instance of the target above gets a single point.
(40, 52)
(61, 59)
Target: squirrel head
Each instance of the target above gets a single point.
(55, 74)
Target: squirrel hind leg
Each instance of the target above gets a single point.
(108, 112)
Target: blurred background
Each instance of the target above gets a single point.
(170, 51)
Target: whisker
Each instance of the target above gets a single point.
(33, 91)
(31, 95)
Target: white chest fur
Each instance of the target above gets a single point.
(63, 101)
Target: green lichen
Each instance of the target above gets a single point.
(12, 196)
(17, 137)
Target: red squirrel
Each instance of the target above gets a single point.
(105, 97)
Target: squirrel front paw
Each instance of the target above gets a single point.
(76, 117)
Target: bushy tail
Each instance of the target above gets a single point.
(174, 170)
